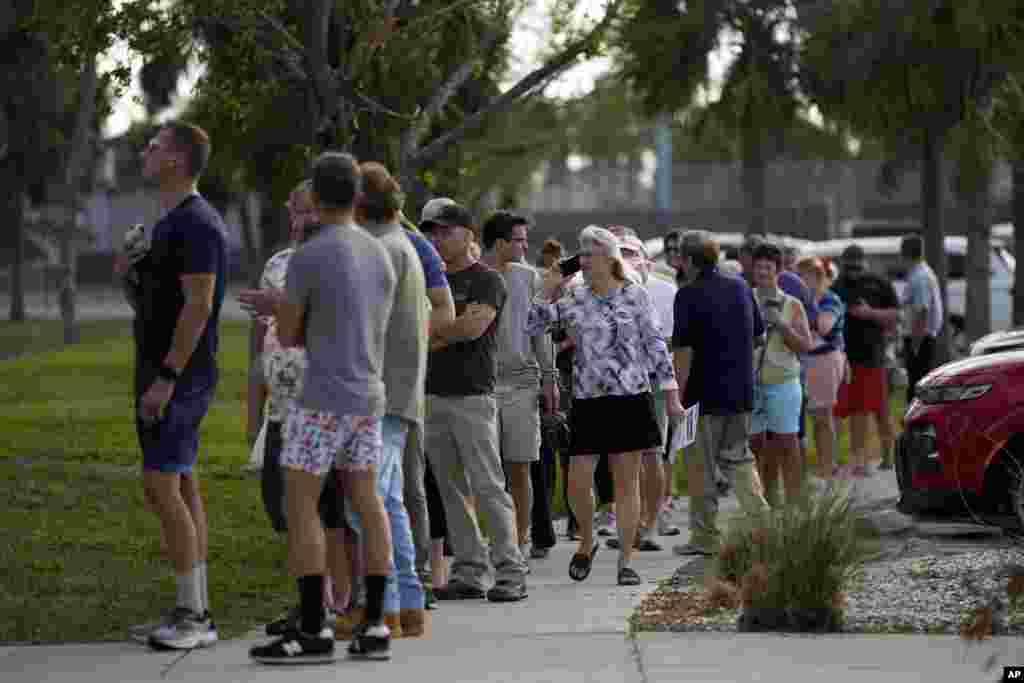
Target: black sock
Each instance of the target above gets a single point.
(375, 586)
(311, 603)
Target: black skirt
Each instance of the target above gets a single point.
(614, 424)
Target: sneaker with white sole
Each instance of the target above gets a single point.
(370, 642)
(605, 523)
(524, 550)
(665, 525)
(185, 630)
(140, 633)
(296, 647)
(290, 621)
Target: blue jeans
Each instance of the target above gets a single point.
(404, 590)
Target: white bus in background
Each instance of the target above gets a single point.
(882, 256)
(730, 243)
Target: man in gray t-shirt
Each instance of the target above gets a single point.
(405, 370)
(338, 300)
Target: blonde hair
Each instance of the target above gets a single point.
(813, 264)
(594, 234)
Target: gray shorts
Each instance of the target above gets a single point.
(519, 423)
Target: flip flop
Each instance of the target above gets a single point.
(580, 565)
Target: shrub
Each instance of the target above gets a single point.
(800, 557)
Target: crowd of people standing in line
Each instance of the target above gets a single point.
(411, 378)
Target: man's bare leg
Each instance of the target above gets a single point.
(522, 495)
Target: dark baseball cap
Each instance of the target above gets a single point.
(450, 214)
(751, 243)
(852, 254)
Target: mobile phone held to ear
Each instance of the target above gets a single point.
(570, 266)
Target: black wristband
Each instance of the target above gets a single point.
(168, 373)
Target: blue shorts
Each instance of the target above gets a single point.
(777, 408)
(172, 443)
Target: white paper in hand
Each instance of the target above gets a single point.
(686, 431)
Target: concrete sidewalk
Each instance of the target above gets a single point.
(563, 632)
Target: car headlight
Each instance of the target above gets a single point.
(951, 392)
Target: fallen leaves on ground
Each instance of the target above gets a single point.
(664, 609)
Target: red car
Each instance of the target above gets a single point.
(962, 447)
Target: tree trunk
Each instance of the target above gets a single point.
(754, 168)
(78, 165)
(1018, 237)
(12, 213)
(251, 241)
(978, 304)
(932, 206)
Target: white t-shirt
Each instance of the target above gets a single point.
(663, 298)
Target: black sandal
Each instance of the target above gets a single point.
(628, 577)
(580, 565)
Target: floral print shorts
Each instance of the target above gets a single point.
(314, 440)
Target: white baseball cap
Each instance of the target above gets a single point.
(434, 207)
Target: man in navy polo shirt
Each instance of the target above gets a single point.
(178, 290)
(716, 325)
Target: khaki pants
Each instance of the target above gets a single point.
(462, 444)
(728, 464)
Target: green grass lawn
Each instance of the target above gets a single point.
(79, 553)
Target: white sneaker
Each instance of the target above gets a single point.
(605, 523)
(524, 550)
(140, 633)
(186, 630)
(665, 525)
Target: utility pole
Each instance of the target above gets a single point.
(663, 170)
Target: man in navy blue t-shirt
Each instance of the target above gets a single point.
(178, 291)
(716, 324)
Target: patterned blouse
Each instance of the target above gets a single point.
(618, 344)
(283, 368)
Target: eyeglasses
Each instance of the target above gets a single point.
(673, 250)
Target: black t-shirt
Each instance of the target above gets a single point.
(188, 240)
(469, 368)
(865, 339)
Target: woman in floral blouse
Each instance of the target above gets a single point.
(618, 347)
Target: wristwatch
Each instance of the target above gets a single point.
(168, 373)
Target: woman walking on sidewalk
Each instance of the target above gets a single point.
(617, 341)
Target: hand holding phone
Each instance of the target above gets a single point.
(570, 266)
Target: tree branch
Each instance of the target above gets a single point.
(455, 80)
(868, 48)
(524, 88)
(318, 14)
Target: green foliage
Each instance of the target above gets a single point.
(933, 68)
(800, 556)
(664, 50)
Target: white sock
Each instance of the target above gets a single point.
(189, 593)
(204, 585)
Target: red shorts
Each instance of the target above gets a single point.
(865, 394)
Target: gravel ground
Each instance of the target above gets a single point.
(914, 586)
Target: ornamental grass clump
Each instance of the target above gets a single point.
(792, 565)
